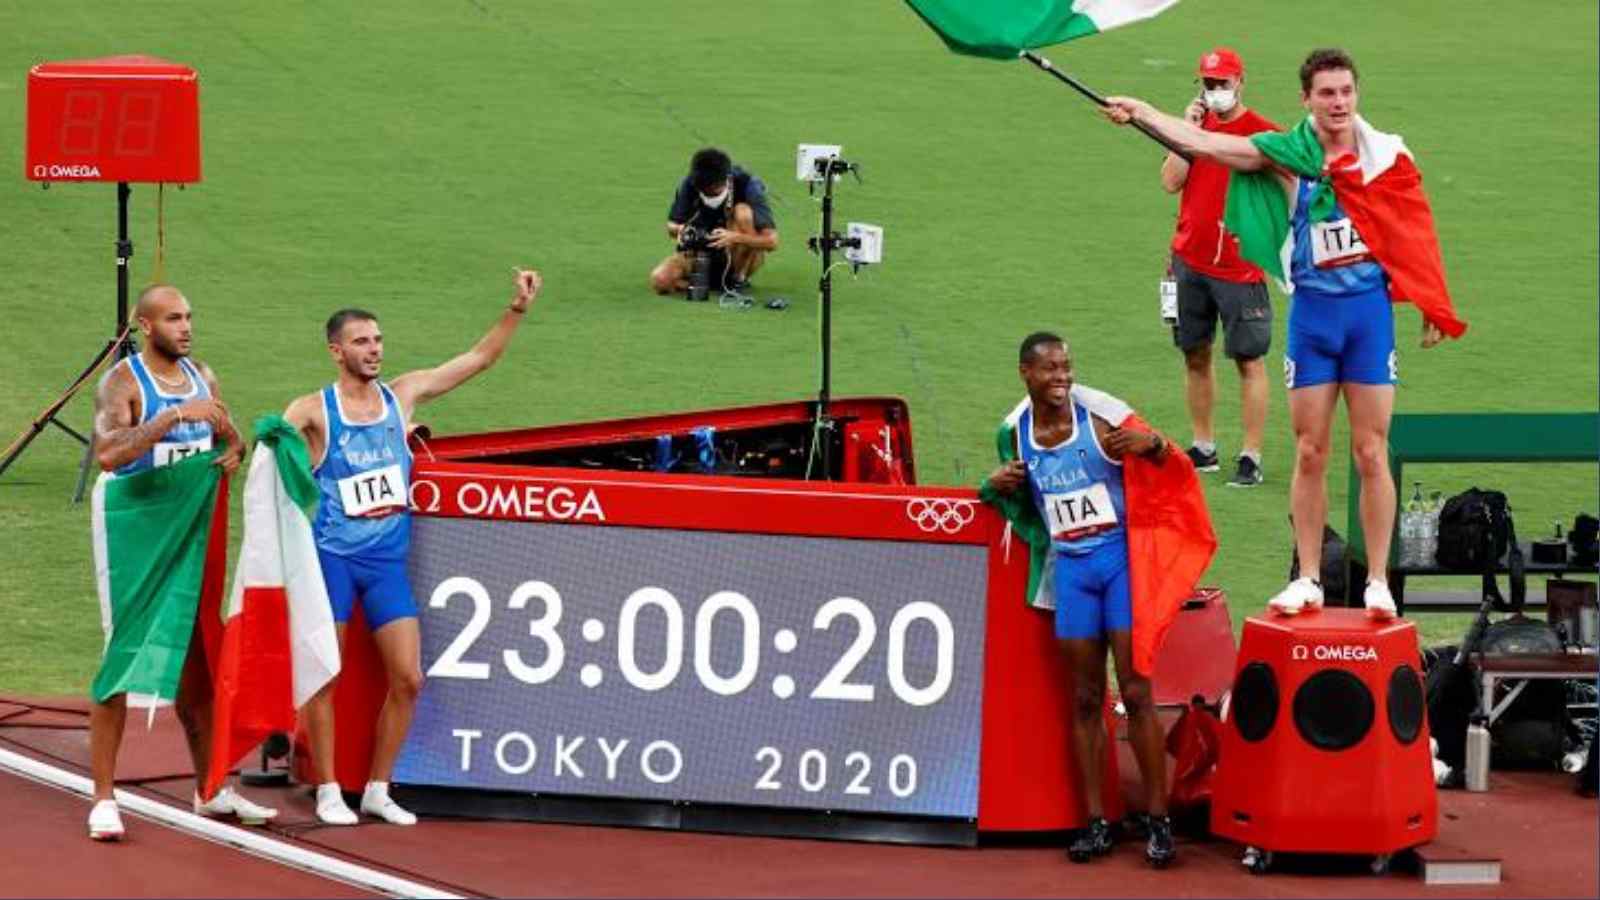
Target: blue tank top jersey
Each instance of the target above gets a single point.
(1076, 487)
(1329, 258)
(364, 479)
(183, 440)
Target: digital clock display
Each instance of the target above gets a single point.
(716, 667)
(130, 118)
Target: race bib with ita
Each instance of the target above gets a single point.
(378, 492)
(168, 452)
(1336, 243)
(1080, 513)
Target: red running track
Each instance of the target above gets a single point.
(1545, 834)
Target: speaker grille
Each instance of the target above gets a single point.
(1333, 710)
(1405, 704)
(1254, 707)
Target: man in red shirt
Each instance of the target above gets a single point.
(1213, 281)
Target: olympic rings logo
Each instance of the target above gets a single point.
(948, 516)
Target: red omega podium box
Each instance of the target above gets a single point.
(1326, 745)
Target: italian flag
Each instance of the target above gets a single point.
(160, 548)
(1002, 29)
(1381, 191)
(276, 645)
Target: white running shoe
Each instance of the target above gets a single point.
(105, 822)
(375, 801)
(1302, 595)
(331, 808)
(1380, 603)
(229, 802)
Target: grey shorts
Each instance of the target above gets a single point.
(1244, 308)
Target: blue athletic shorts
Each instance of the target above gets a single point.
(1340, 340)
(1092, 595)
(382, 585)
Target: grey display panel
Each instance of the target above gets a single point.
(711, 667)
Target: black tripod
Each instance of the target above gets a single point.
(121, 346)
(825, 244)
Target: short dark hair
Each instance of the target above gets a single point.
(1325, 59)
(336, 322)
(1031, 344)
(709, 168)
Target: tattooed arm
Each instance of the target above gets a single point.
(119, 441)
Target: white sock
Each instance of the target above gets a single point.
(1255, 456)
(329, 789)
(1207, 447)
(377, 788)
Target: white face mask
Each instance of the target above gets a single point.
(1221, 100)
(715, 200)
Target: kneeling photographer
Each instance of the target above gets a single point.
(722, 228)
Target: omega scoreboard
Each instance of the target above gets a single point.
(657, 647)
(120, 118)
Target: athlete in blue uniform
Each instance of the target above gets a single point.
(1341, 328)
(153, 409)
(1071, 462)
(356, 430)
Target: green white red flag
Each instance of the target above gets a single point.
(1002, 29)
(160, 544)
(277, 645)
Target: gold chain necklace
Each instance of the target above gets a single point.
(182, 381)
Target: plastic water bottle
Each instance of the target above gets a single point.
(1411, 528)
(1430, 528)
(1478, 754)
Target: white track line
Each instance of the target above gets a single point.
(212, 830)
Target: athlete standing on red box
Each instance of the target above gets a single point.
(1336, 211)
(356, 430)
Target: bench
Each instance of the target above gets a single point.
(1469, 437)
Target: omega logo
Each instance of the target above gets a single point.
(1333, 653)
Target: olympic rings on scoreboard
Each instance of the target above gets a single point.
(948, 516)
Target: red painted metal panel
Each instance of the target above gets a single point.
(121, 118)
(1026, 765)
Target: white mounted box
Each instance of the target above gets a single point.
(871, 250)
(806, 158)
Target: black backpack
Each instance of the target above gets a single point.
(1474, 529)
(1584, 538)
(1530, 732)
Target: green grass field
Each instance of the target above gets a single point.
(403, 156)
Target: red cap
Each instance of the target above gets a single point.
(1221, 63)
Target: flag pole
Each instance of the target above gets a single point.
(1098, 100)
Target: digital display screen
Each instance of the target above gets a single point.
(713, 667)
(132, 119)
(94, 124)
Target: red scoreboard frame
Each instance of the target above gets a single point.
(120, 118)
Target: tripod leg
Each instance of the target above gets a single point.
(83, 471)
(48, 416)
(69, 430)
